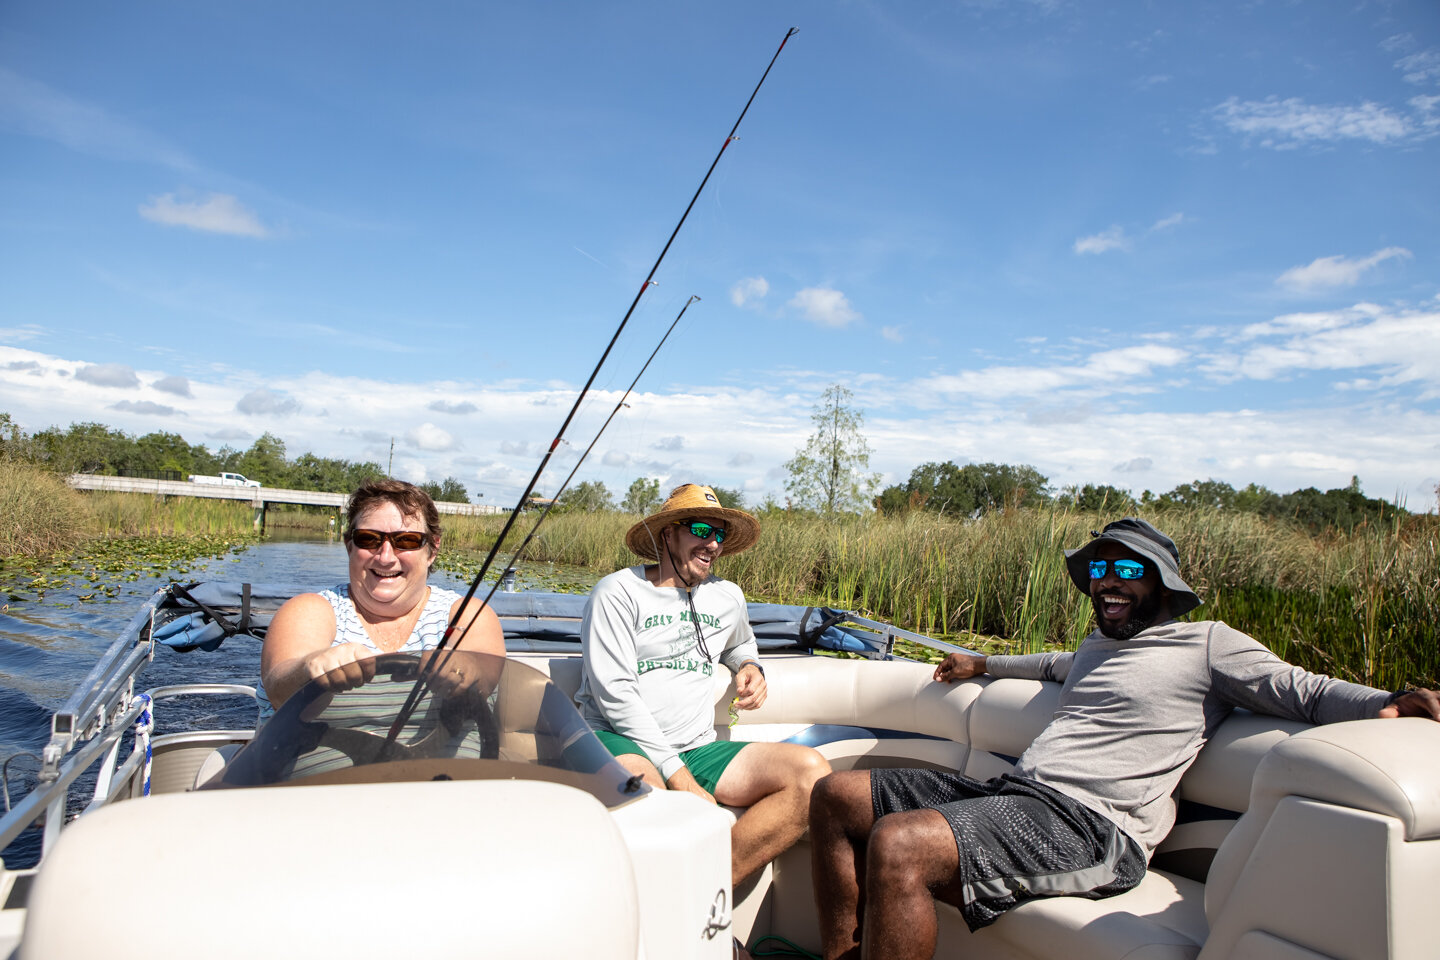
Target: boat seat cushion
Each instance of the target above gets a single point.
(214, 763)
(1163, 918)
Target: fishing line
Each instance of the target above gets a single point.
(442, 655)
(420, 682)
(551, 505)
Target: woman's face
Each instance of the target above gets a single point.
(386, 581)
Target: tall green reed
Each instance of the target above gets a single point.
(1360, 605)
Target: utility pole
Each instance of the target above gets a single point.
(390, 467)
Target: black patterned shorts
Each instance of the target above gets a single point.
(1017, 839)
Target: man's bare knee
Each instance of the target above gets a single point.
(912, 848)
(844, 798)
(810, 768)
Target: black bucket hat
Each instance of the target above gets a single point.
(1137, 535)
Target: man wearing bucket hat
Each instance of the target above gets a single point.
(1093, 794)
(651, 637)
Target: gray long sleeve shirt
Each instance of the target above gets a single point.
(644, 676)
(1134, 713)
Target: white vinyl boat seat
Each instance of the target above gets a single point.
(214, 764)
(1268, 813)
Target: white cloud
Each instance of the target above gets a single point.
(1110, 239)
(1401, 349)
(264, 402)
(749, 291)
(1428, 107)
(893, 334)
(1123, 369)
(217, 213)
(615, 458)
(1397, 42)
(1175, 219)
(1328, 273)
(431, 438)
(20, 334)
(108, 375)
(825, 307)
(1292, 323)
(1422, 67)
(669, 444)
(38, 110)
(179, 386)
(145, 407)
(458, 408)
(1286, 124)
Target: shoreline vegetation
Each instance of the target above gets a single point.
(1361, 603)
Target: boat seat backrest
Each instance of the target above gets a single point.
(1360, 800)
(1008, 715)
(214, 763)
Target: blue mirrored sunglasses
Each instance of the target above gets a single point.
(703, 530)
(1124, 569)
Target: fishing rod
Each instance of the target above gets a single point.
(441, 657)
(551, 505)
(560, 434)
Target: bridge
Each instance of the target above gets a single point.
(257, 497)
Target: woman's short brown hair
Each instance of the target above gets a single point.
(409, 499)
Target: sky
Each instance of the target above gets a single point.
(1136, 244)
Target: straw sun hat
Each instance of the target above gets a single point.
(694, 501)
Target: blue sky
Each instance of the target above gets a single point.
(1126, 243)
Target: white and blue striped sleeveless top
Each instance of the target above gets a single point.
(428, 629)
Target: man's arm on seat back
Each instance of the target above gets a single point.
(1035, 666)
(1247, 674)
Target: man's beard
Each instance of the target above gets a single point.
(1145, 613)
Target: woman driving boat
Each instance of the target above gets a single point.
(392, 534)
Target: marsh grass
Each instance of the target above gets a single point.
(145, 515)
(38, 513)
(1362, 605)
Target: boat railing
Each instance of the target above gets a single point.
(889, 633)
(48, 801)
(89, 729)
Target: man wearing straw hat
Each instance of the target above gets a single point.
(1093, 794)
(651, 637)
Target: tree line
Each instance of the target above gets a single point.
(830, 474)
(977, 488)
(98, 449)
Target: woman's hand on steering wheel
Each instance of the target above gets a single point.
(341, 667)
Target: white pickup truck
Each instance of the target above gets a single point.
(225, 480)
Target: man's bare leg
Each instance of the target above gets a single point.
(911, 857)
(774, 781)
(841, 817)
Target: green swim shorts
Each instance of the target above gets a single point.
(706, 762)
